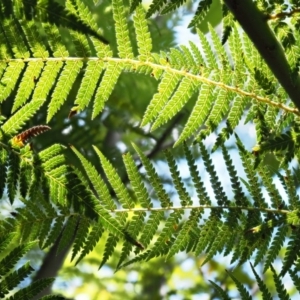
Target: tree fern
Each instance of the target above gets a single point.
(54, 55)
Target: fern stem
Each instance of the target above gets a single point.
(137, 64)
(212, 207)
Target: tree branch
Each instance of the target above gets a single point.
(254, 23)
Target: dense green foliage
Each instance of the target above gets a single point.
(105, 88)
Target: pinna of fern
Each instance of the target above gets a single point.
(209, 75)
(228, 226)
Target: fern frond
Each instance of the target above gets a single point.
(68, 232)
(13, 175)
(63, 87)
(46, 80)
(87, 18)
(91, 240)
(291, 253)
(201, 12)
(198, 183)
(115, 181)
(172, 6)
(97, 182)
(88, 85)
(3, 169)
(136, 181)
(198, 114)
(220, 291)
(122, 34)
(27, 84)
(282, 292)
(151, 227)
(154, 179)
(109, 80)
(263, 288)
(207, 234)
(217, 187)
(32, 290)
(17, 121)
(263, 247)
(142, 34)
(110, 245)
(7, 263)
(165, 90)
(220, 240)
(24, 136)
(295, 278)
(9, 79)
(184, 197)
(12, 280)
(160, 247)
(155, 6)
(243, 291)
(55, 231)
(183, 93)
(183, 236)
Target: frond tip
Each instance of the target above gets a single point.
(21, 139)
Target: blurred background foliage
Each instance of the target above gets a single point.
(181, 277)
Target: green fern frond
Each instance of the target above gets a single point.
(110, 245)
(184, 197)
(172, 6)
(165, 90)
(154, 179)
(197, 181)
(198, 114)
(32, 290)
(68, 233)
(291, 254)
(254, 187)
(91, 240)
(207, 234)
(295, 278)
(166, 236)
(9, 79)
(155, 6)
(151, 227)
(136, 181)
(12, 258)
(17, 121)
(263, 288)
(81, 44)
(243, 291)
(220, 291)
(263, 247)
(142, 34)
(275, 247)
(54, 232)
(115, 181)
(201, 12)
(27, 85)
(13, 174)
(97, 182)
(63, 87)
(122, 34)
(183, 93)
(282, 292)
(216, 185)
(3, 169)
(12, 280)
(109, 80)
(88, 85)
(183, 236)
